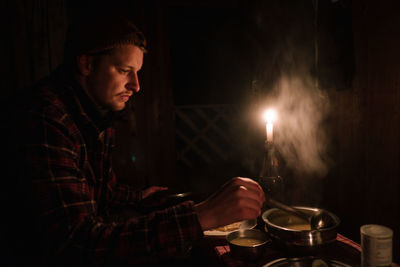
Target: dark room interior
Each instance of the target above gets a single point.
(330, 68)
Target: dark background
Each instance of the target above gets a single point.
(233, 53)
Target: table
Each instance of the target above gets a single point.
(218, 253)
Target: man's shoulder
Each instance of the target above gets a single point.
(51, 96)
(46, 100)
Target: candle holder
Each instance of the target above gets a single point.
(269, 179)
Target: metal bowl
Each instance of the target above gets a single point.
(281, 227)
(248, 251)
(305, 262)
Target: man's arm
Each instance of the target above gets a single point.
(67, 210)
(123, 194)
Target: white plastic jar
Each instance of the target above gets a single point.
(376, 245)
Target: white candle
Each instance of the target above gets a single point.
(270, 131)
(269, 117)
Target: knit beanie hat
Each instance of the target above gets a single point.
(101, 32)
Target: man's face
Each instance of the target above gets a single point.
(114, 78)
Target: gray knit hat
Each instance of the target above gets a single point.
(99, 33)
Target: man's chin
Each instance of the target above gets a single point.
(118, 107)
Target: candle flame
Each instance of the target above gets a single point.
(270, 115)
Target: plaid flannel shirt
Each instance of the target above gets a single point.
(68, 160)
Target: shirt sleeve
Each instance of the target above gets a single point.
(122, 194)
(68, 219)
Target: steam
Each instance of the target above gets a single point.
(300, 135)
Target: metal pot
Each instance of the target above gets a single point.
(248, 251)
(281, 227)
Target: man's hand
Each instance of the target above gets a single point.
(238, 199)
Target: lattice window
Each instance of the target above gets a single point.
(203, 133)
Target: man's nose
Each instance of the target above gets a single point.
(133, 83)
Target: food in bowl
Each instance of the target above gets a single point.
(289, 221)
(248, 244)
(297, 226)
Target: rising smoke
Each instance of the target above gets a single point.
(285, 79)
(300, 134)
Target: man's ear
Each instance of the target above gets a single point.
(84, 63)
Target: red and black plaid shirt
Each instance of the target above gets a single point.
(68, 159)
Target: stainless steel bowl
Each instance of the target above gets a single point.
(281, 227)
(305, 262)
(246, 251)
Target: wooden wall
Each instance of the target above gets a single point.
(365, 185)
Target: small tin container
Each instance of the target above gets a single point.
(248, 252)
(376, 245)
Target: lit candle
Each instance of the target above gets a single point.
(270, 131)
(269, 117)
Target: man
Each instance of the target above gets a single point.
(67, 161)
